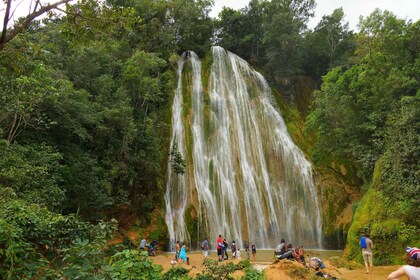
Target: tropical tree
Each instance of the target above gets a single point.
(354, 104)
(241, 31)
(284, 24)
(329, 45)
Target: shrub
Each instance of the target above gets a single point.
(35, 241)
(177, 273)
(243, 264)
(253, 274)
(129, 264)
(298, 272)
(215, 271)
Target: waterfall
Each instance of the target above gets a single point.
(176, 187)
(245, 178)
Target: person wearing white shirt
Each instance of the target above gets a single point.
(412, 269)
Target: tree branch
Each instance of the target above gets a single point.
(7, 37)
(5, 22)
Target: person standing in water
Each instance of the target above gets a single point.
(366, 244)
(254, 251)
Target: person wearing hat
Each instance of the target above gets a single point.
(412, 269)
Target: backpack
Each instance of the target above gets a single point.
(363, 242)
(202, 245)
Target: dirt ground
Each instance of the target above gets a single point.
(380, 272)
(195, 262)
(278, 270)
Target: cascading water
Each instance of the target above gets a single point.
(176, 188)
(244, 178)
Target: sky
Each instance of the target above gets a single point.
(406, 9)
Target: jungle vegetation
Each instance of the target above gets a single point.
(85, 98)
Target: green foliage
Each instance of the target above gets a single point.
(160, 233)
(83, 259)
(17, 258)
(85, 92)
(176, 272)
(284, 23)
(192, 223)
(215, 271)
(142, 78)
(298, 272)
(339, 262)
(241, 31)
(32, 172)
(355, 105)
(177, 161)
(386, 225)
(393, 188)
(203, 276)
(92, 19)
(35, 241)
(382, 40)
(391, 130)
(268, 34)
(329, 45)
(171, 26)
(192, 27)
(398, 176)
(253, 274)
(243, 264)
(84, 106)
(129, 264)
(21, 95)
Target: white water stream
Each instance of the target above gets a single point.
(245, 177)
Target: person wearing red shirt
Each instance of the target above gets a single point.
(220, 247)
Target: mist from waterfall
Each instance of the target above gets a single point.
(245, 177)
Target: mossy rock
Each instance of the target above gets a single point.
(160, 233)
(388, 232)
(192, 223)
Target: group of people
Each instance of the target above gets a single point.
(286, 251)
(222, 248)
(181, 252)
(151, 247)
(411, 269)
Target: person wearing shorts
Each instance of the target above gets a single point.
(367, 254)
(220, 248)
(205, 248)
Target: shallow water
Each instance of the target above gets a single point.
(267, 256)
